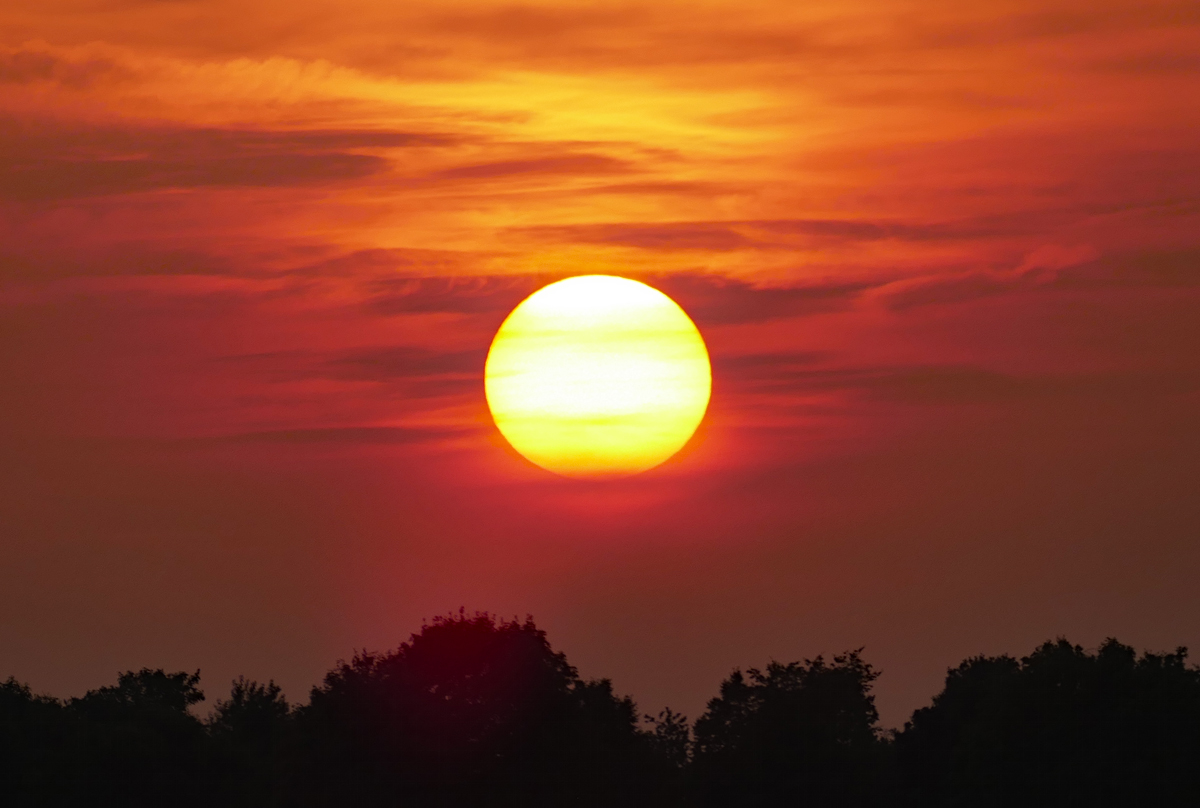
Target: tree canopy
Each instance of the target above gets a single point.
(1062, 724)
(474, 710)
(796, 731)
(471, 704)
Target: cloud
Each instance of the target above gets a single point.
(872, 230)
(46, 161)
(666, 236)
(571, 164)
(29, 65)
(1149, 268)
(958, 384)
(376, 435)
(57, 179)
(1041, 267)
(775, 233)
(417, 264)
(817, 373)
(430, 278)
(717, 300)
(710, 299)
(767, 367)
(695, 189)
(451, 295)
(419, 372)
(676, 236)
(1152, 62)
(377, 364)
(1051, 267)
(129, 259)
(955, 288)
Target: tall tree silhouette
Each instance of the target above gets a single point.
(472, 710)
(803, 732)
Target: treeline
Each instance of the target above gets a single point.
(475, 711)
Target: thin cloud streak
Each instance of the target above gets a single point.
(45, 162)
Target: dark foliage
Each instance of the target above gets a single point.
(33, 734)
(796, 733)
(1060, 727)
(470, 711)
(249, 733)
(133, 743)
(670, 738)
(475, 711)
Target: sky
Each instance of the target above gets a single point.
(945, 258)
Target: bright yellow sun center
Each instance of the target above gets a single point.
(598, 376)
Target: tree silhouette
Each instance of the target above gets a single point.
(1059, 726)
(33, 736)
(478, 711)
(803, 732)
(471, 710)
(671, 738)
(137, 743)
(253, 719)
(249, 733)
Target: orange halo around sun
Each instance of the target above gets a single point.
(598, 376)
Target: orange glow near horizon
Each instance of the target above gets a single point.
(598, 376)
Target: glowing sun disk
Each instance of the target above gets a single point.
(598, 376)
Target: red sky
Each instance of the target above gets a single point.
(946, 257)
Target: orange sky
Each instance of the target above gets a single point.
(946, 258)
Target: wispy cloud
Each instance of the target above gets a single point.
(29, 65)
(716, 300)
(568, 164)
(461, 295)
(44, 161)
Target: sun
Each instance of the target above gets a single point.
(598, 376)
